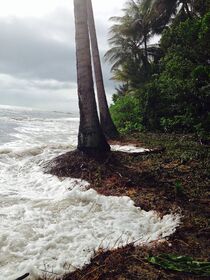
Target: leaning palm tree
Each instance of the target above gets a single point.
(90, 137)
(107, 124)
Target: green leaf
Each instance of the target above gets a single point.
(181, 263)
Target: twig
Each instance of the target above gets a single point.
(100, 245)
(136, 258)
(23, 277)
(94, 203)
(69, 266)
(118, 239)
(84, 276)
(120, 175)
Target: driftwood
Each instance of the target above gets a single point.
(23, 277)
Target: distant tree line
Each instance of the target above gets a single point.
(164, 86)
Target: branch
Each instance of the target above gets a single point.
(23, 277)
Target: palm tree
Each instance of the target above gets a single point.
(107, 124)
(142, 27)
(130, 54)
(90, 137)
(161, 12)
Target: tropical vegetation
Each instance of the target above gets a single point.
(163, 86)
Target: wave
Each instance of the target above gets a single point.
(14, 108)
(5, 151)
(31, 119)
(33, 151)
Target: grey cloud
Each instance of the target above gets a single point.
(42, 49)
(28, 50)
(37, 60)
(51, 84)
(40, 101)
(39, 94)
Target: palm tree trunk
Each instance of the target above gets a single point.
(90, 137)
(146, 63)
(107, 124)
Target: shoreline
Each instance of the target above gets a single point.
(153, 181)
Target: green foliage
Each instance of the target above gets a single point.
(178, 188)
(126, 114)
(173, 94)
(181, 263)
(183, 82)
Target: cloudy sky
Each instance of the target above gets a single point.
(37, 51)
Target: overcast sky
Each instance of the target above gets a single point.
(37, 51)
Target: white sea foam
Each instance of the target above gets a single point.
(55, 224)
(128, 149)
(51, 224)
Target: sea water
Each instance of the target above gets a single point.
(51, 226)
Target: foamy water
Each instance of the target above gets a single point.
(129, 149)
(54, 225)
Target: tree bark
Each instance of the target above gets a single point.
(107, 124)
(90, 137)
(146, 66)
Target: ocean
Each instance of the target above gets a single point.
(50, 226)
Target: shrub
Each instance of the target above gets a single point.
(126, 114)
